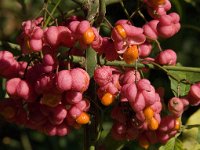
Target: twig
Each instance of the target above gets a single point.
(125, 10)
(52, 12)
(108, 22)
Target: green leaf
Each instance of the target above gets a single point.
(169, 145)
(172, 144)
(91, 61)
(178, 144)
(198, 135)
(178, 6)
(179, 87)
(51, 14)
(92, 8)
(190, 137)
(192, 2)
(185, 77)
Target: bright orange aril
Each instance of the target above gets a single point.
(121, 31)
(144, 143)
(153, 124)
(107, 99)
(131, 54)
(88, 36)
(84, 118)
(148, 113)
(177, 124)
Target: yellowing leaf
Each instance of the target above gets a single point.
(190, 136)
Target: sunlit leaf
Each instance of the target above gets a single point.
(186, 78)
(172, 144)
(190, 137)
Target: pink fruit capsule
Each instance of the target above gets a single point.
(52, 36)
(175, 106)
(167, 57)
(64, 80)
(103, 75)
(18, 88)
(80, 80)
(72, 97)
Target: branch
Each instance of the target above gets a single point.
(77, 59)
(51, 14)
(9, 45)
(108, 2)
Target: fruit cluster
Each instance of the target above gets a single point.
(127, 41)
(43, 99)
(46, 90)
(139, 110)
(43, 93)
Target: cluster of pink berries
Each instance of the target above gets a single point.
(42, 97)
(126, 40)
(137, 112)
(108, 80)
(139, 107)
(194, 95)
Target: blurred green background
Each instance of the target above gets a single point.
(12, 12)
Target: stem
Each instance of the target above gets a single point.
(46, 10)
(108, 22)
(59, 9)
(142, 16)
(165, 70)
(10, 45)
(181, 68)
(138, 8)
(68, 13)
(108, 2)
(77, 59)
(125, 10)
(190, 126)
(51, 14)
(101, 13)
(158, 44)
(191, 27)
(135, 12)
(45, 6)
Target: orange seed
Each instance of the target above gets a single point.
(148, 113)
(153, 124)
(88, 36)
(131, 54)
(107, 99)
(121, 31)
(84, 118)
